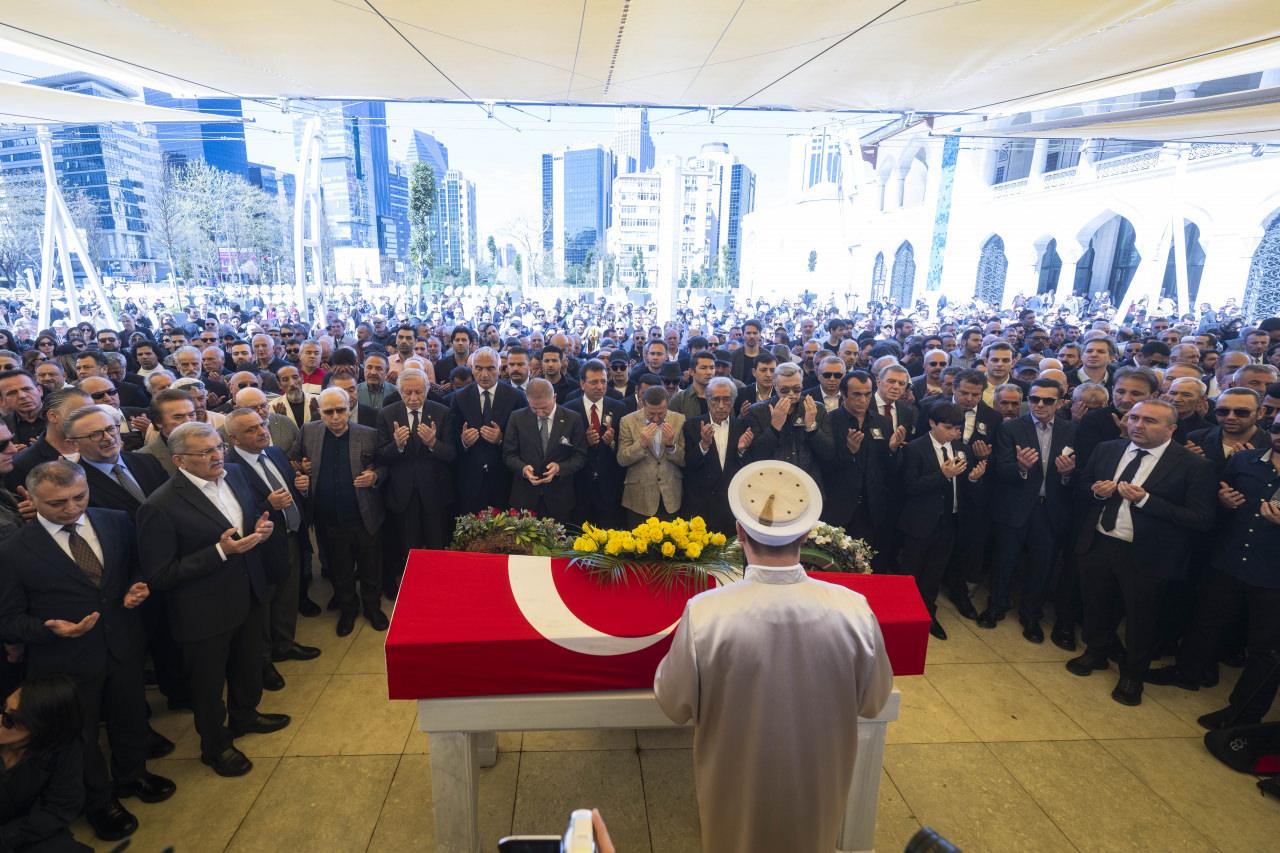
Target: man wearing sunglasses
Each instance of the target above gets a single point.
(1237, 411)
(1035, 459)
(70, 594)
(10, 513)
(1244, 578)
(790, 427)
(930, 383)
(827, 392)
(134, 424)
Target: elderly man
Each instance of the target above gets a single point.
(790, 427)
(200, 397)
(1187, 396)
(1008, 401)
(930, 382)
(264, 355)
(1146, 497)
(651, 448)
(199, 537)
(415, 444)
(714, 446)
(342, 462)
(376, 391)
(827, 392)
(159, 380)
(70, 593)
(311, 367)
(892, 382)
(479, 414)
(170, 409)
(294, 402)
(134, 422)
(50, 376)
(544, 448)
(280, 430)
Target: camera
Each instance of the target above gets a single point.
(578, 838)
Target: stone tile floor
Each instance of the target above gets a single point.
(998, 748)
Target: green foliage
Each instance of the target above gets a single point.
(422, 201)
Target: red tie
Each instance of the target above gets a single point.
(595, 419)
(888, 412)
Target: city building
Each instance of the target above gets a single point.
(398, 183)
(118, 168)
(910, 213)
(220, 144)
(353, 171)
(632, 144)
(576, 188)
(422, 147)
(264, 177)
(454, 223)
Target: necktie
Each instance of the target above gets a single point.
(484, 407)
(1112, 509)
(413, 429)
(130, 485)
(595, 417)
(544, 430)
(888, 411)
(946, 457)
(292, 518)
(84, 556)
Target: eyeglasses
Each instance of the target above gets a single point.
(1224, 411)
(1041, 401)
(789, 392)
(97, 434)
(935, 364)
(102, 395)
(5, 444)
(832, 374)
(341, 411)
(10, 719)
(216, 450)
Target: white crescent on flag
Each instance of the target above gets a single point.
(534, 589)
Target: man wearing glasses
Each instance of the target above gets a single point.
(199, 536)
(930, 384)
(827, 393)
(1035, 459)
(134, 424)
(789, 427)
(1237, 411)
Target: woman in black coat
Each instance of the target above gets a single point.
(41, 767)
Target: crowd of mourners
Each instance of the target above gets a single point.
(174, 482)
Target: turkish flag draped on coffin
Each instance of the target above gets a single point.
(495, 625)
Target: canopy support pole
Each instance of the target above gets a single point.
(308, 209)
(1181, 271)
(62, 235)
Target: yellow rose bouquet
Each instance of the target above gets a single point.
(661, 552)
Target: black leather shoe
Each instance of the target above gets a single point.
(1088, 663)
(1032, 632)
(964, 606)
(271, 678)
(1209, 678)
(112, 822)
(377, 619)
(936, 630)
(990, 618)
(1064, 637)
(296, 651)
(230, 762)
(307, 607)
(1170, 676)
(346, 624)
(1128, 691)
(260, 724)
(148, 787)
(158, 746)
(1224, 718)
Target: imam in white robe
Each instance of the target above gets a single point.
(774, 670)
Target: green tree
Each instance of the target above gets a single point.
(637, 266)
(422, 201)
(21, 224)
(492, 246)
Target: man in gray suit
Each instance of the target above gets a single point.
(651, 448)
(343, 501)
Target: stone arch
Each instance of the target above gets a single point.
(1049, 266)
(1111, 258)
(1195, 265)
(915, 180)
(877, 278)
(993, 270)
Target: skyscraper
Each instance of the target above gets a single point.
(454, 223)
(220, 144)
(398, 181)
(576, 192)
(425, 148)
(117, 167)
(353, 171)
(632, 144)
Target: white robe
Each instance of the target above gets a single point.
(774, 670)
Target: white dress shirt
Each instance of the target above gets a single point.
(252, 460)
(1124, 518)
(719, 439)
(63, 539)
(223, 500)
(951, 454)
(880, 403)
(598, 407)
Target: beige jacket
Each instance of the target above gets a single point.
(650, 478)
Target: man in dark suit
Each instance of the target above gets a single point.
(1132, 385)
(479, 415)
(863, 492)
(544, 448)
(1237, 411)
(272, 479)
(21, 400)
(714, 447)
(938, 479)
(199, 536)
(415, 444)
(598, 485)
(68, 591)
(890, 400)
(103, 392)
(1142, 500)
(461, 341)
(790, 427)
(53, 444)
(343, 472)
(170, 409)
(553, 370)
(1187, 396)
(929, 384)
(1035, 459)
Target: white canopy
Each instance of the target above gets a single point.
(911, 55)
(1252, 116)
(22, 104)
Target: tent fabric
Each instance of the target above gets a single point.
(1244, 117)
(22, 104)
(909, 55)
